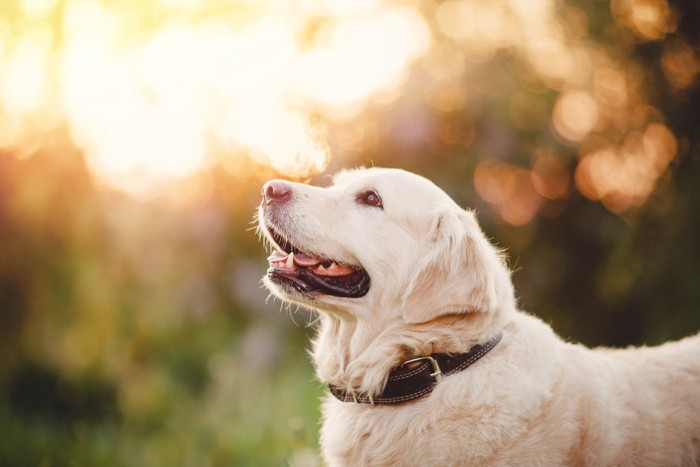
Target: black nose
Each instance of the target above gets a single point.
(277, 191)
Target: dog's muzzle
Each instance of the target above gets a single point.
(295, 269)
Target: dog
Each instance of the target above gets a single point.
(428, 358)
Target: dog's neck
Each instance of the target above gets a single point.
(358, 354)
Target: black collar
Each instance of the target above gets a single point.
(405, 383)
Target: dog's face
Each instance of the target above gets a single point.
(377, 238)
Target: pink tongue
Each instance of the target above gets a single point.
(339, 270)
(310, 262)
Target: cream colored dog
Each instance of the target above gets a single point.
(399, 271)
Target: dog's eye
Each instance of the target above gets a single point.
(370, 198)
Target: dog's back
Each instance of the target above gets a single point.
(637, 406)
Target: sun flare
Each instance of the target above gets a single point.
(149, 99)
(157, 90)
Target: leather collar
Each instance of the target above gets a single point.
(405, 383)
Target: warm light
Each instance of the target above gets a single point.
(611, 87)
(24, 80)
(495, 182)
(575, 115)
(528, 8)
(148, 101)
(661, 146)
(481, 27)
(446, 64)
(680, 64)
(550, 176)
(623, 176)
(38, 8)
(362, 56)
(510, 189)
(126, 124)
(550, 56)
(160, 89)
(283, 139)
(649, 19)
(339, 7)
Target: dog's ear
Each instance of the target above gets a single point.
(458, 273)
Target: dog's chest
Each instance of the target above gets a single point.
(362, 435)
(410, 434)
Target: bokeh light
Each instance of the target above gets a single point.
(164, 90)
(575, 115)
(510, 189)
(648, 19)
(624, 176)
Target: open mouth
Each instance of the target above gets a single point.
(308, 274)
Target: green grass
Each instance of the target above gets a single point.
(240, 418)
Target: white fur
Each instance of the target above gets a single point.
(439, 286)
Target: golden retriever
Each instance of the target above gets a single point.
(398, 271)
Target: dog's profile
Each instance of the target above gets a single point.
(429, 360)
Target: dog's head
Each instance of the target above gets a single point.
(379, 239)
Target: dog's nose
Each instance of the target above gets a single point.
(276, 191)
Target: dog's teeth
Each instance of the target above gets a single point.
(290, 261)
(333, 266)
(320, 268)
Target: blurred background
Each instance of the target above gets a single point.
(135, 137)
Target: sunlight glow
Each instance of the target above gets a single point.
(623, 176)
(158, 90)
(361, 57)
(510, 189)
(648, 19)
(481, 27)
(575, 115)
(24, 85)
(38, 8)
(680, 64)
(165, 99)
